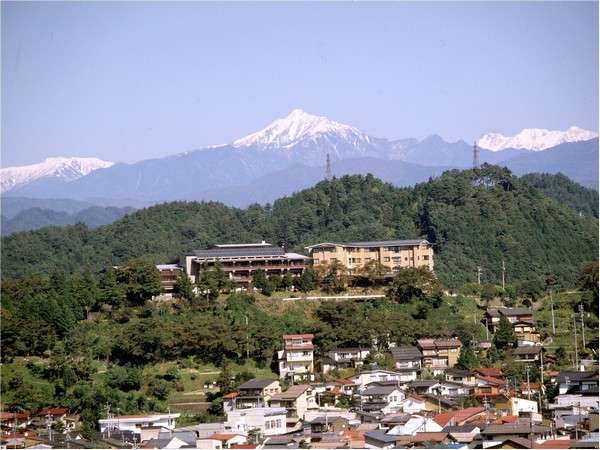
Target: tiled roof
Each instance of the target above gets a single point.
(292, 393)
(379, 389)
(406, 353)
(52, 411)
(514, 428)
(424, 436)
(459, 416)
(555, 443)
(232, 252)
(576, 376)
(256, 383)
(381, 436)
(7, 416)
(223, 436)
(298, 336)
(489, 371)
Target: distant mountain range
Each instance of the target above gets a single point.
(288, 155)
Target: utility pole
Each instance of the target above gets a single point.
(552, 309)
(487, 330)
(247, 348)
(479, 270)
(475, 155)
(328, 174)
(576, 351)
(528, 385)
(503, 273)
(582, 324)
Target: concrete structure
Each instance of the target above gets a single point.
(135, 423)
(267, 421)
(168, 277)
(342, 358)
(372, 376)
(439, 354)
(296, 360)
(241, 261)
(393, 254)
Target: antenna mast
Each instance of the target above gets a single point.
(475, 155)
(328, 175)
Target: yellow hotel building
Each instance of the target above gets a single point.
(393, 254)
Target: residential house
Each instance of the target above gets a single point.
(296, 360)
(443, 388)
(342, 358)
(11, 420)
(226, 440)
(372, 376)
(296, 400)
(256, 392)
(439, 354)
(514, 315)
(494, 435)
(407, 360)
(381, 397)
(461, 416)
(268, 421)
(135, 423)
(393, 254)
(462, 376)
(416, 423)
(414, 404)
(379, 439)
(527, 354)
(462, 433)
(328, 424)
(515, 406)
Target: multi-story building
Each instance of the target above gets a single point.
(396, 254)
(241, 261)
(168, 277)
(342, 358)
(439, 354)
(256, 392)
(296, 360)
(267, 421)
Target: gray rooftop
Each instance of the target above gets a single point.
(380, 390)
(231, 252)
(406, 353)
(381, 436)
(256, 383)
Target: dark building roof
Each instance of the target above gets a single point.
(256, 383)
(527, 350)
(406, 353)
(423, 383)
(367, 244)
(575, 377)
(238, 251)
(328, 419)
(381, 436)
(458, 372)
(514, 428)
(467, 428)
(186, 436)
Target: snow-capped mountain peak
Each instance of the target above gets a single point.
(297, 126)
(63, 168)
(535, 139)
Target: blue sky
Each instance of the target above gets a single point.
(130, 81)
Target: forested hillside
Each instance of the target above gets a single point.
(474, 218)
(35, 218)
(580, 199)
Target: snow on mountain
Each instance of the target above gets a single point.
(299, 126)
(535, 139)
(64, 169)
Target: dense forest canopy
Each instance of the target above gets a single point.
(473, 218)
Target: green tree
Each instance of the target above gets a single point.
(212, 281)
(86, 291)
(184, 289)
(415, 284)
(588, 282)
(306, 281)
(467, 359)
(141, 280)
(333, 276)
(111, 291)
(374, 271)
(505, 336)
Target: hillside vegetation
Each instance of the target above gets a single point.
(474, 218)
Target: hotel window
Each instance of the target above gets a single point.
(316, 261)
(386, 259)
(426, 257)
